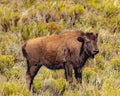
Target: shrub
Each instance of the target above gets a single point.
(41, 30)
(93, 20)
(93, 4)
(107, 50)
(1, 11)
(58, 74)
(91, 92)
(113, 24)
(5, 23)
(61, 84)
(62, 6)
(111, 10)
(1, 88)
(76, 9)
(13, 89)
(53, 28)
(56, 87)
(38, 84)
(100, 61)
(90, 21)
(10, 45)
(89, 75)
(74, 13)
(40, 7)
(72, 93)
(6, 62)
(45, 73)
(12, 73)
(28, 3)
(28, 31)
(108, 88)
(115, 63)
(31, 30)
(9, 19)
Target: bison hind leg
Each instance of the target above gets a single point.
(68, 72)
(32, 70)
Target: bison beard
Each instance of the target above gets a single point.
(68, 51)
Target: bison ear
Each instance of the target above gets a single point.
(81, 39)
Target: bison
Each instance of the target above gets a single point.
(68, 51)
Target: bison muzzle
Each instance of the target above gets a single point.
(69, 50)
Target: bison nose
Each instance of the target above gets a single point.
(95, 51)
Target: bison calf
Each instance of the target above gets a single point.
(67, 51)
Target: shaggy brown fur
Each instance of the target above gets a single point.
(67, 51)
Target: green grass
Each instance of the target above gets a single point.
(21, 20)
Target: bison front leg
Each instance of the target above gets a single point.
(30, 74)
(78, 75)
(68, 72)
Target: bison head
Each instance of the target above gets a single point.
(89, 43)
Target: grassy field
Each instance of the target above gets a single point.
(21, 20)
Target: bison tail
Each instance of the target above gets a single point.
(24, 51)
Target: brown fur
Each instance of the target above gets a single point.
(63, 51)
